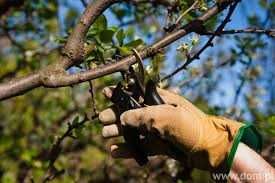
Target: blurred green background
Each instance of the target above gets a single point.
(235, 78)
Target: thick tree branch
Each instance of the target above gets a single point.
(55, 76)
(73, 50)
(19, 86)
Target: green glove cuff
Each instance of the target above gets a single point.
(248, 135)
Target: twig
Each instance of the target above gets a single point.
(91, 90)
(13, 41)
(54, 152)
(268, 32)
(84, 3)
(243, 80)
(191, 8)
(209, 43)
(173, 26)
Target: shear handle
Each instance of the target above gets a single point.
(131, 134)
(151, 94)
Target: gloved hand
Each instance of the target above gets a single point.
(203, 141)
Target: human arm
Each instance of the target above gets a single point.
(248, 166)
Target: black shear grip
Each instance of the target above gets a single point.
(131, 134)
(151, 96)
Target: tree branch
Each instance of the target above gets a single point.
(84, 3)
(268, 32)
(55, 76)
(19, 86)
(73, 50)
(242, 83)
(191, 8)
(166, 3)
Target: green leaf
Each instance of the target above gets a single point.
(75, 120)
(120, 36)
(130, 32)
(100, 23)
(8, 177)
(60, 40)
(113, 28)
(119, 12)
(90, 58)
(78, 131)
(124, 51)
(109, 53)
(91, 33)
(100, 53)
(106, 36)
(134, 44)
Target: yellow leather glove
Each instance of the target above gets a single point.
(204, 140)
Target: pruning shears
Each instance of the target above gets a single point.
(134, 93)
